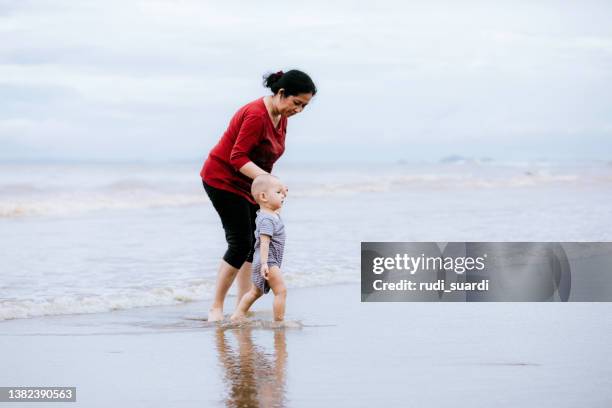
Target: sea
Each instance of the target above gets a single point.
(97, 237)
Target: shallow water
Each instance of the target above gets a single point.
(98, 237)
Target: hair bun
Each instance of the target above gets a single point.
(273, 78)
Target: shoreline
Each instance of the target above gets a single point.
(345, 353)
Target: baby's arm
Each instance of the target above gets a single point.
(264, 249)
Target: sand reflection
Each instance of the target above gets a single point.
(253, 378)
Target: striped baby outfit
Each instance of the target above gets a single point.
(272, 225)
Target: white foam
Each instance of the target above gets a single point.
(437, 181)
(97, 303)
(260, 324)
(143, 297)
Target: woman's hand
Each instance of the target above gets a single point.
(251, 170)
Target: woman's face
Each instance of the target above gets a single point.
(290, 105)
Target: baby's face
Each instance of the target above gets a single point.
(275, 195)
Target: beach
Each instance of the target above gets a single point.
(338, 352)
(446, 176)
(108, 271)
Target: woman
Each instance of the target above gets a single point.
(252, 143)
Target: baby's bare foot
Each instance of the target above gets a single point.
(238, 318)
(215, 315)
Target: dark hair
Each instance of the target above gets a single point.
(294, 82)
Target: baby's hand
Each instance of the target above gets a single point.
(264, 271)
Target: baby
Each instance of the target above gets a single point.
(270, 194)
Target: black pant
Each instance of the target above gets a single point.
(238, 219)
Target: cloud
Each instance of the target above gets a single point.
(118, 75)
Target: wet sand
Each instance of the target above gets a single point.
(339, 352)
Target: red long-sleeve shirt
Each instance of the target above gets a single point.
(250, 136)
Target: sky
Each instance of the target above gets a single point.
(398, 80)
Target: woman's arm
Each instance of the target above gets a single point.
(248, 137)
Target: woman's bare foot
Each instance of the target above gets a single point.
(215, 315)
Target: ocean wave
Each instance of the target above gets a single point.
(19, 188)
(22, 200)
(436, 181)
(145, 297)
(67, 204)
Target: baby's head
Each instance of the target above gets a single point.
(268, 191)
